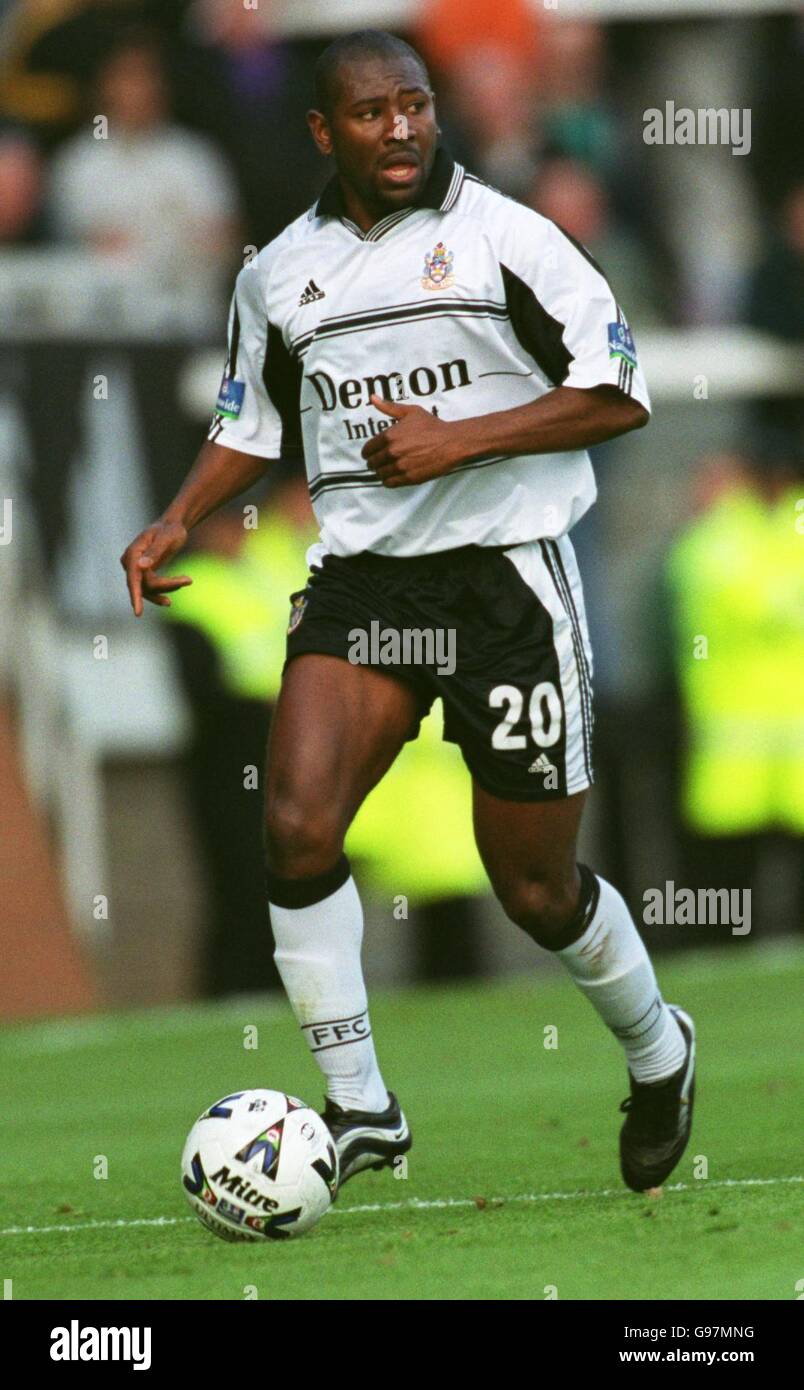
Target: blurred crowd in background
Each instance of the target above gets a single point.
(205, 153)
(210, 103)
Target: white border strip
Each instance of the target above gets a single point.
(310, 18)
(416, 1204)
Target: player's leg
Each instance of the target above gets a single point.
(336, 730)
(519, 704)
(529, 851)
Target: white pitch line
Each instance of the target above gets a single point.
(418, 1204)
(96, 1225)
(414, 1204)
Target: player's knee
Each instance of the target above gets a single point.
(542, 908)
(300, 840)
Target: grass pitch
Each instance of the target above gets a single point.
(513, 1189)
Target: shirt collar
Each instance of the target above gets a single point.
(439, 192)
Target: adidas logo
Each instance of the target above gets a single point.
(311, 294)
(542, 764)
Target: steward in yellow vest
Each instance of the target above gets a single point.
(736, 577)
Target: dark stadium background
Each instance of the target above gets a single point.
(130, 858)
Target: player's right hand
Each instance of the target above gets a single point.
(148, 552)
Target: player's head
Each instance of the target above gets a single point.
(375, 114)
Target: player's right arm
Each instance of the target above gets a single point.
(218, 474)
(256, 421)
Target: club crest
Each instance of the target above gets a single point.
(438, 269)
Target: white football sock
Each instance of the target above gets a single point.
(610, 965)
(318, 956)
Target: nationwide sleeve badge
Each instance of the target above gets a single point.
(438, 269)
(230, 398)
(621, 343)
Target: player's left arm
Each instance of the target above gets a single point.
(420, 447)
(566, 317)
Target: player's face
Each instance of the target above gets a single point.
(382, 131)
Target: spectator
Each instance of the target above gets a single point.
(228, 634)
(50, 51)
(144, 191)
(236, 81)
(776, 287)
(486, 55)
(448, 29)
(576, 115)
(777, 136)
(576, 198)
(775, 303)
(736, 587)
(587, 115)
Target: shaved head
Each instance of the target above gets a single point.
(365, 43)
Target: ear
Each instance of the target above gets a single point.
(320, 131)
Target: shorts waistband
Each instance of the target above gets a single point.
(436, 559)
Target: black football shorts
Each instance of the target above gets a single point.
(498, 632)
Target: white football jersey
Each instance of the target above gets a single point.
(466, 304)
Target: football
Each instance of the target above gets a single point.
(259, 1165)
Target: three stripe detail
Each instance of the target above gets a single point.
(555, 567)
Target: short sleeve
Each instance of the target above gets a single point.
(257, 410)
(564, 310)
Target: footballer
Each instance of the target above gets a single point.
(444, 357)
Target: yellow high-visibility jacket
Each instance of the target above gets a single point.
(242, 605)
(736, 577)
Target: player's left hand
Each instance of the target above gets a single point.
(414, 449)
